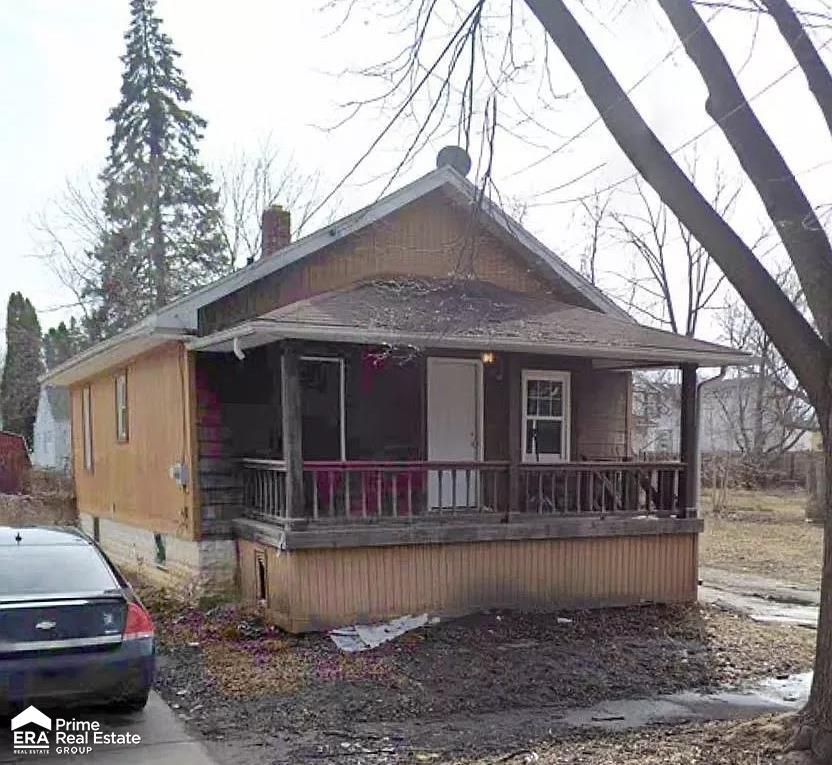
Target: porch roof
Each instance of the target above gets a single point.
(467, 314)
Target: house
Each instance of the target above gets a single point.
(52, 430)
(14, 463)
(417, 408)
(738, 415)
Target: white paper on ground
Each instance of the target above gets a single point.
(363, 637)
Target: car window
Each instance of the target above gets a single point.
(53, 569)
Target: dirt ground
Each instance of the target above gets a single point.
(752, 742)
(456, 691)
(763, 533)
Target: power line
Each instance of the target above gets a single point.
(653, 69)
(672, 152)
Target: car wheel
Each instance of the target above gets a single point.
(135, 702)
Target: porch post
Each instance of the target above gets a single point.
(292, 432)
(515, 398)
(689, 442)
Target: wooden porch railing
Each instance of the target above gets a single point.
(368, 490)
(606, 488)
(365, 490)
(264, 488)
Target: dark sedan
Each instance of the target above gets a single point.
(71, 628)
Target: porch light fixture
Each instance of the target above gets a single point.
(488, 357)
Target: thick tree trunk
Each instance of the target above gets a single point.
(787, 206)
(801, 347)
(817, 75)
(819, 708)
(806, 354)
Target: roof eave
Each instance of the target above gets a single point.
(110, 353)
(259, 332)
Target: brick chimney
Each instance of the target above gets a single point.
(276, 231)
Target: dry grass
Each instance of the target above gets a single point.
(753, 742)
(763, 533)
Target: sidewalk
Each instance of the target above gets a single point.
(760, 598)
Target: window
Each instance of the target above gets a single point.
(86, 426)
(545, 416)
(122, 423)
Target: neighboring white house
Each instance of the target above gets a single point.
(52, 430)
(726, 419)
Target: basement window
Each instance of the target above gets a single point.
(261, 578)
(161, 553)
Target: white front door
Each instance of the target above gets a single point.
(454, 429)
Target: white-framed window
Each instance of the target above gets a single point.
(86, 426)
(545, 415)
(122, 419)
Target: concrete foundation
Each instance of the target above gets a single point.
(205, 567)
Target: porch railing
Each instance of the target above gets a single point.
(368, 490)
(606, 488)
(264, 488)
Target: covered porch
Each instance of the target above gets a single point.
(342, 439)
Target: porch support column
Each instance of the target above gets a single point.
(689, 442)
(515, 456)
(290, 392)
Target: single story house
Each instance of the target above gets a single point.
(419, 407)
(52, 448)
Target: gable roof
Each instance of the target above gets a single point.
(464, 313)
(179, 319)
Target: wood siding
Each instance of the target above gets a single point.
(130, 481)
(321, 589)
(601, 424)
(431, 237)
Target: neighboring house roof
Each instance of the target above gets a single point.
(465, 313)
(179, 320)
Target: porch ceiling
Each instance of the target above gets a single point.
(468, 314)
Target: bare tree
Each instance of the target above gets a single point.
(250, 182)
(805, 351)
(802, 340)
(68, 228)
(765, 408)
(72, 223)
(655, 289)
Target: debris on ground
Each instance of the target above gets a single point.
(482, 686)
(363, 637)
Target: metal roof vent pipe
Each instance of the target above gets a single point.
(455, 157)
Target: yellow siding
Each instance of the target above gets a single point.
(320, 589)
(428, 238)
(129, 481)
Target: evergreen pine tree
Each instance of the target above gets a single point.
(163, 236)
(19, 387)
(62, 342)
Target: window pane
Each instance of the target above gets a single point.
(548, 437)
(556, 399)
(39, 570)
(530, 436)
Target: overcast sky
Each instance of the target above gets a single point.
(260, 68)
